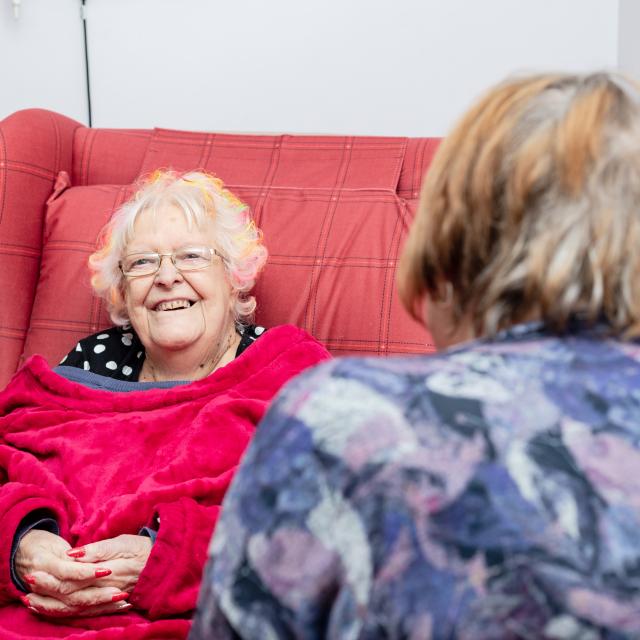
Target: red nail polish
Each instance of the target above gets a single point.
(101, 573)
(30, 579)
(120, 596)
(76, 553)
(25, 601)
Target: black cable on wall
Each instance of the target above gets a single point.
(83, 14)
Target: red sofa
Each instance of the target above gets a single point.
(334, 211)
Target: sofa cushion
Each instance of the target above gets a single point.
(65, 308)
(108, 156)
(283, 161)
(335, 275)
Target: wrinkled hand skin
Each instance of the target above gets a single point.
(125, 555)
(65, 586)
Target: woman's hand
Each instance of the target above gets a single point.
(61, 586)
(125, 556)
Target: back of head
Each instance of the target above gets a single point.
(531, 208)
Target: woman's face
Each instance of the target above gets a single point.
(170, 310)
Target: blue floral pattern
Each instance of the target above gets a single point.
(492, 491)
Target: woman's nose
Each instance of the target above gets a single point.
(167, 273)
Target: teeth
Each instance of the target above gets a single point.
(173, 304)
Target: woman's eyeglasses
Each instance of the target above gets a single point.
(185, 259)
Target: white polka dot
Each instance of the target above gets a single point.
(128, 335)
(63, 359)
(126, 370)
(99, 348)
(138, 354)
(85, 366)
(259, 330)
(78, 347)
(102, 336)
(126, 339)
(111, 365)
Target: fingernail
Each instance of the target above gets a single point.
(76, 553)
(34, 609)
(101, 573)
(25, 601)
(120, 596)
(123, 606)
(30, 579)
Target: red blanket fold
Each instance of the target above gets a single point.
(107, 463)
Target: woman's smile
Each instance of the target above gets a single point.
(174, 305)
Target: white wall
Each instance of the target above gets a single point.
(629, 38)
(42, 58)
(386, 67)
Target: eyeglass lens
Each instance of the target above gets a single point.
(184, 259)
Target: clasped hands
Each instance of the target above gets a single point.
(92, 580)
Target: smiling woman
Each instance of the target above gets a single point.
(182, 308)
(175, 265)
(111, 497)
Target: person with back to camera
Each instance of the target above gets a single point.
(113, 467)
(489, 491)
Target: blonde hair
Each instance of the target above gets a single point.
(201, 197)
(531, 208)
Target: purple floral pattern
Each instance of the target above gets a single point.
(492, 491)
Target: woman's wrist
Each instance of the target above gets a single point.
(39, 519)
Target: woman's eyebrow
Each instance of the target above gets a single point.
(139, 249)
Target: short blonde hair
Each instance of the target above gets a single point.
(531, 208)
(201, 197)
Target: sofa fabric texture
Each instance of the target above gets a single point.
(334, 210)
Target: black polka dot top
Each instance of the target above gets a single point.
(118, 353)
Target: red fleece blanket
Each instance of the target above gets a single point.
(107, 463)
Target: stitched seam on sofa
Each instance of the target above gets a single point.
(327, 223)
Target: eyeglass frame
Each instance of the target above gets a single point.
(171, 256)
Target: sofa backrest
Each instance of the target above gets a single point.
(334, 211)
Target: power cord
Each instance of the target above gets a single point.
(83, 15)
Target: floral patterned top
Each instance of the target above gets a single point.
(491, 491)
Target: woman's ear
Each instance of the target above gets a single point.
(441, 320)
(234, 295)
(445, 293)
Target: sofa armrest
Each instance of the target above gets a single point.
(34, 146)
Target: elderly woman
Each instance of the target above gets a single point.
(114, 466)
(489, 491)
